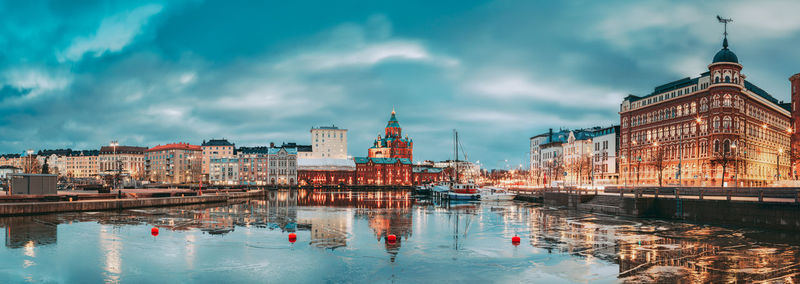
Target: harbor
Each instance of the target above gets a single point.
(344, 235)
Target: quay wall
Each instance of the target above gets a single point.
(784, 216)
(31, 208)
(769, 215)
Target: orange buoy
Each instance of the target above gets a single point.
(391, 238)
(154, 231)
(515, 240)
(292, 237)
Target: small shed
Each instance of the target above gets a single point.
(38, 184)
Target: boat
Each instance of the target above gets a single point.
(496, 193)
(458, 190)
(468, 191)
(423, 189)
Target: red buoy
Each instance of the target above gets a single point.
(154, 231)
(391, 238)
(515, 240)
(292, 237)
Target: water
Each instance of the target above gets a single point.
(341, 238)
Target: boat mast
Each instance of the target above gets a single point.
(455, 133)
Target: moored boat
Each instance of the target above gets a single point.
(496, 193)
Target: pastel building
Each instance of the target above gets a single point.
(215, 149)
(174, 163)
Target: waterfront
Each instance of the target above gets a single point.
(341, 238)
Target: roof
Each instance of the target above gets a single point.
(9, 156)
(123, 150)
(332, 127)
(290, 151)
(175, 146)
(253, 150)
(393, 121)
(57, 152)
(725, 54)
(427, 170)
(4, 167)
(298, 148)
(76, 153)
(364, 160)
(325, 164)
(216, 142)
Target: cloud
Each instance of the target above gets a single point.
(114, 33)
(515, 86)
(32, 82)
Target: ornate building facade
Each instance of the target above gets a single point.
(392, 145)
(699, 131)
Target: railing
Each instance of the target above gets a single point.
(757, 193)
(750, 194)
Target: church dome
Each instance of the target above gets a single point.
(725, 54)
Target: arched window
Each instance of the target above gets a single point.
(727, 79)
(726, 123)
(715, 103)
(716, 80)
(726, 146)
(726, 100)
(703, 104)
(694, 107)
(716, 146)
(716, 123)
(680, 111)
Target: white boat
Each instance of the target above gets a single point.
(496, 193)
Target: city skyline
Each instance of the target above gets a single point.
(154, 73)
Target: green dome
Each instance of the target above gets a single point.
(725, 54)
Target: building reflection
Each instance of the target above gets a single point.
(674, 253)
(30, 231)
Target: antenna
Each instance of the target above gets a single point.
(724, 22)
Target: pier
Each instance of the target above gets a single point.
(770, 208)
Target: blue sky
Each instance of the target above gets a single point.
(78, 74)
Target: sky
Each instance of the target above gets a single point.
(78, 74)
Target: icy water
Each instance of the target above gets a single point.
(341, 238)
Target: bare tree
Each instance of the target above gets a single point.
(657, 158)
(723, 158)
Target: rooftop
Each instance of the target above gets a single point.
(175, 146)
(123, 150)
(325, 164)
(216, 142)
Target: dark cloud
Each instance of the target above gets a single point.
(81, 73)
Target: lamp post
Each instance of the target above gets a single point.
(30, 161)
(697, 150)
(777, 164)
(114, 145)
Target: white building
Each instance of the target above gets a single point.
(604, 152)
(328, 142)
(578, 156)
(546, 152)
(282, 166)
(224, 171)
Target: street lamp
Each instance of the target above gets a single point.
(777, 163)
(30, 161)
(114, 145)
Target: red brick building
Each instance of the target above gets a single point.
(326, 172)
(699, 131)
(383, 171)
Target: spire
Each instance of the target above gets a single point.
(725, 42)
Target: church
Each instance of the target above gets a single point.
(392, 145)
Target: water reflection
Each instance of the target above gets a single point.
(431, 236)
